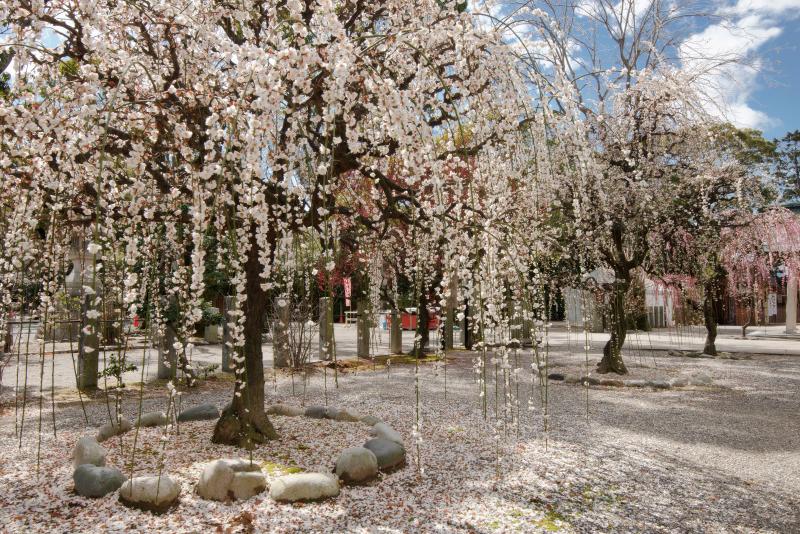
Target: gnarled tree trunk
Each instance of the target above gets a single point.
(244, 422)
(612, 352)
(710, 319)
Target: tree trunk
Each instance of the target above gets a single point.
(750, 318)
(612, 352)
(422, 337)
(244, 423)
(467, 331)
(710, 320)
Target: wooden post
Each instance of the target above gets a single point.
(326, 342)
(167, 355)
(791, 304)
(88, 348)
(396, 334)
(281, 356)
(363, 325)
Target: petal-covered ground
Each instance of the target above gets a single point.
(724, 458)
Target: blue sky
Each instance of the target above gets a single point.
(746, 52)
(778, 91)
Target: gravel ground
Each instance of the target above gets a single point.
(724, 458)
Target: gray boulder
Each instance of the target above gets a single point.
(88, 451)
(635, 383)
(217, 480)
(316, 412)
(284, 409)
(152, 493)
(247, 484)
(109, 430)
(152, 419)
(347, 416)
(659, 384)
(389, 454)
(356, 464)
(370, 420)
(93, 481)
(679, 382)
(204, 412)
(382, 430)
(700, 379)
(304, 487)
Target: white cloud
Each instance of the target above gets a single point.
(724, 56)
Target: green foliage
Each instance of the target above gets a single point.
(69, 68)
(115, 368)
(787, 168)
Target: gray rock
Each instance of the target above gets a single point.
(659, 384)
(316, 412)
(572, 379)
(635, 383)
(700, 379)
(304, 487)
(218, 476)
(109, 430)
(556, 376)
(370, 420)
(88, 451)
(153, 419)
(204, 412)
(152, 493)
(247, 484)
(679, 382)
(347, 417)
(356, 464)
(382, 430)
(613, 382)
(93, 481)
(284, 409)
(389, 454)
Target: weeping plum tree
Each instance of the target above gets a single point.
(688, 246)
(754, 251)
(633, 120)
(157, 125)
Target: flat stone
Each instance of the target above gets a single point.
(152, 419)
(612, 382)
(332, 412)
(304, 487)
(700, 379)
(93, 481)
(389, 454)
(659, 384)
(556, 376)
(316, 412)
(152, 493)
(217, 478)
(382, 430)
(346, 417)
(591, 380)
(370, 420)
(88, 451)
(679, 382)
(356, 464)
(203, 412)
(247, 484)
(284, 409)
(635, 383)
(572, 379)
(109, 430)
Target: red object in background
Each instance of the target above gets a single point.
(408, 321)
(136, 321)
